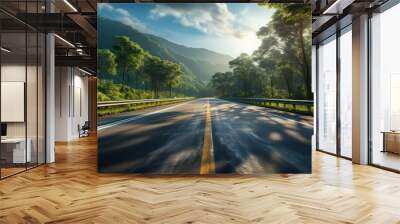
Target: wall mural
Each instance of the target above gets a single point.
(204, 88)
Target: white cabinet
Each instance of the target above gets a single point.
(19, 154)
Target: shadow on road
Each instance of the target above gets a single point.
(246, 140)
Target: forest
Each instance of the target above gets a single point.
(279, 68)
(128, 61)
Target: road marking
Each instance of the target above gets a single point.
(207, 158)
(113, 124)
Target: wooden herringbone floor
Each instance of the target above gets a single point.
(71, 191)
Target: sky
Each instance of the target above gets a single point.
(227, 28)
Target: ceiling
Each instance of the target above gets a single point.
(330, 15)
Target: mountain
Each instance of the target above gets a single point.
(198, 62)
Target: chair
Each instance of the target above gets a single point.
(84, 130)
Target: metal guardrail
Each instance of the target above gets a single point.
(285, 102)
(282, 101)
(143, 101)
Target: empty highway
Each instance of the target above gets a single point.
(205, 136)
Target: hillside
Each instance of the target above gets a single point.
(198, 62)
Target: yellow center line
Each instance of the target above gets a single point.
(207, 158)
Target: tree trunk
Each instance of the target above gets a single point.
(136, 80)
(170, 90)
(288, 84)
(306, 73)
(272, 87)
(123, 74)
(157, 89)
(127, 79)
(153, 86)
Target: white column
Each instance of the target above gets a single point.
(63, 102)
(50, 98)
(360, 90)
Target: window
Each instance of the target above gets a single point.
(22, 88)
(385, 89)
(346, 92)
(327, 95)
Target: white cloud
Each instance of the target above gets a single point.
(254, 19)
(123, 16)
(103, 6)
(212, 18)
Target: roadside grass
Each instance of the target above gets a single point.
(298, 109)
(105, 111)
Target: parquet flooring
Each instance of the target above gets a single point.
(71, 191)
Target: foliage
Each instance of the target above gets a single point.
(173, 73)
(127, 58)
(290, 25)
(106, 62)
(222, 82)
(107, 90)
(247, 76)
(198, 64)
(280, 67)
(130, 56)
(154, 70)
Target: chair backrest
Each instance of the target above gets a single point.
(86, 125)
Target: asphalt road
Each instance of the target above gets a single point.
(187, 137)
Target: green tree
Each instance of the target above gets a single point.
(153, 68)
(106, 62)
(280, 67)
(222, 83)
(173, 73)
(130, 57)
(162, 72)
(291, 23)
(267, 56)
(246, 75)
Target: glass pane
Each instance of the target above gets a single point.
(327, 96)
(13, 86)
(346, 94)
(385, 83)
(31, 98)
(23, 87)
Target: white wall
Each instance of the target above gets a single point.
(71, 102)
(62, 81)
(80, 112)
